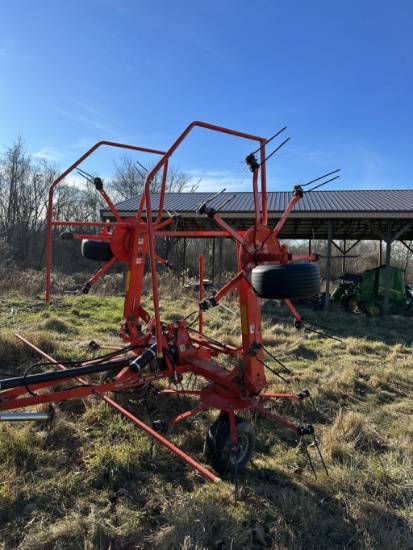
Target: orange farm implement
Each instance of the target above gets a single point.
(152, 349)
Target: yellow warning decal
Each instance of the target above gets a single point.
(244, 319)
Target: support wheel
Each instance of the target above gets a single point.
(350, 302)
(218, 450)
(99, 251)
(374, 309)
(284, 281)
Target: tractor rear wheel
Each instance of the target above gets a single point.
(374, 309)
(98, 251)
(284, 281)
(218, 451)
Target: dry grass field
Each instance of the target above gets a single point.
(90, 479)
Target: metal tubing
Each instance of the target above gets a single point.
(180, 139)
(6, 417)
(187, 414)
(293, 311)
(99, 274)
(263, 164)
(226, 288)
(164, 224)
(279, 396)
(284, 217)
(163, 191)
(50, 221)
(190, 461)
(256, 198)
(152, 262)
(194, 234)
(229, 229)
(146, 199)
(328, 267)
(111, 205)
(277, 418)
(164, 160)
(26, 381)
(86, 224)
(201, 291)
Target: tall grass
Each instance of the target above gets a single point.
(91, 480)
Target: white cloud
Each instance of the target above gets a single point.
(50, 154)
(75, 181)
(88, 115)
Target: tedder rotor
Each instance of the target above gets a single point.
(153, 349)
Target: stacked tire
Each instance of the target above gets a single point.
(285, 281)
(99, 251)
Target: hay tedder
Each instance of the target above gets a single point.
(153, 349)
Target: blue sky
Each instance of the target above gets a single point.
(337, 73)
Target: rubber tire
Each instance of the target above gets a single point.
(99, 251)
(217, 447)
(350, 302)
(374, 309)
(283, 281)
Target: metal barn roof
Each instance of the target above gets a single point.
(355, 215)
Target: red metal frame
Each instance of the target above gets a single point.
(179, 349)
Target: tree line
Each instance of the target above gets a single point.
(24, 190)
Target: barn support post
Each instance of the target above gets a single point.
(220, 248)
(344, 251)
(388, 259)
(380, 252)
(213, 260)
(328, 266)
(171, 250)
(408, 256)
(184, 262)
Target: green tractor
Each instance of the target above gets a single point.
(365, 293)
(347, 291)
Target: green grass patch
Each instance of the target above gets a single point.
(90, 479)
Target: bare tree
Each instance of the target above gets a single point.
(130, 176)
(129, 181)
(23, 202)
